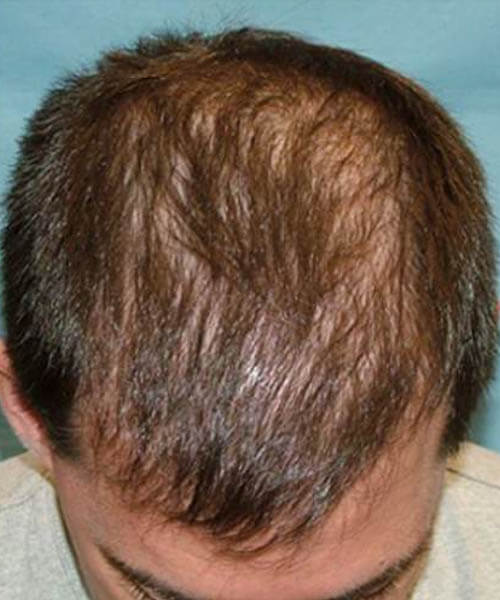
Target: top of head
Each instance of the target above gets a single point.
(237, 264)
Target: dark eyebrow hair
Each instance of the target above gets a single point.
(142, 579)
(369, 589)
(391, 574)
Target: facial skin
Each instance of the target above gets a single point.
(383, 519)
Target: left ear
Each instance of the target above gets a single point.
(21, 417)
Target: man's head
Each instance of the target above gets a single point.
(244, 276)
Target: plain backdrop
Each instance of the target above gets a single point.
(452, 47)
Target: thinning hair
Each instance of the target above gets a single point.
(236, 266)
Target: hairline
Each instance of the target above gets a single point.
(165, 591)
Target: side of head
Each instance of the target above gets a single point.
(237, 268)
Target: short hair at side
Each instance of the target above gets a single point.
(236, 265)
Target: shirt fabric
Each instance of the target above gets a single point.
(36, 560)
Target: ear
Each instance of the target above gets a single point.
(25, 423)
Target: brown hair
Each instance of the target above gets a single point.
(236, 265)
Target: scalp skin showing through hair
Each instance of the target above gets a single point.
(253, 262)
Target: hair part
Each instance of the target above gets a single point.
(237, 266)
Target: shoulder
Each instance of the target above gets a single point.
(24, 494)
(471, 497)
(21, 478)
(39, 562)
(477, 465)
(472, 485)
(465, 555)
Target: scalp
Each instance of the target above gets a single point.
(248, 261)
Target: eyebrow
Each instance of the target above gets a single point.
(369, 589)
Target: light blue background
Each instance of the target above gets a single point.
(452, 47)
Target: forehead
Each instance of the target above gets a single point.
(379, 521)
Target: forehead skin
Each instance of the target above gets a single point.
(380, 521)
